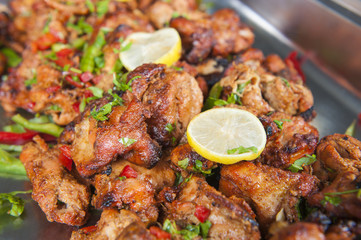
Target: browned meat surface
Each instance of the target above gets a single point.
(114, 225)
(137, 193)
(289, 142)
(96, 144)
(172, 97)
(300, 231)
(231, 218)
(60, 195)
(337, 153)
(345, 229)
(266, 189)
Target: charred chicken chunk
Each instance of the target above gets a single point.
(60, 195)
(266, 189)
(114, 225)
(172, 97)
(132, 186)
(300, 230)
(231, 218)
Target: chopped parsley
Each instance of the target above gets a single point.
(304, 161)
(100, 115)
(241, 150)
(122, 178)
(190, 231)
(32, 80)
(55, 108)
(183, 163)
(97, 92)
(121, 84)
(90, 5)
(169, 127)
(188, 178)
(178, 178)
(81, 27)
(198, 167)
(285, 81)
(12, 202)
(177, 68)
(334, 199)
(127, 141)
(102, 7)
(279, 124)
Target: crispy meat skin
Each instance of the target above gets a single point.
(137, 193)
(112, 225)
(172, 97)
(284, 146)
(266, 189)
(299, 231)
(231, 218)
(61, 196)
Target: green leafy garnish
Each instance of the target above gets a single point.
(170, 227)
(10, 200)
(190, 231)
(351, 129)
(47, 23)
(32, 80)
(81, 27)
(178, 178)
(241, 150)
(55, 108)
(198, 167)
(169, 127)
(183, 163)
(13, 59)
(304, 161)
(285, 81)
(10, 165)
(122, 178)
(279, 124)
(90, 5)
(127, 141)
(100, 115)
(97, 92)
(102, 7)
(126, 47)
(121, 84)
(334, 200)
(188, 178)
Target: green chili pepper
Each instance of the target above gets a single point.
(10, 165)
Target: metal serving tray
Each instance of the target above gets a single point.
(280, 26)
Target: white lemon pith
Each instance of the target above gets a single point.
(163, 46)
(213, 133)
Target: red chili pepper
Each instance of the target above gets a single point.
(89, 229)
(30, 106)
(45, 41)
(76, 107)
(66, 52)
(292, 57)
(63, 61)
(202, 213)
(71, 81)
(159, 233)
(65, 157)
(129, 172)
(53, 89)
(86, 77)
(97, 79)
(88, 93)
(17, 138)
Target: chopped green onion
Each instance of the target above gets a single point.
(13, 59)
(127, 141)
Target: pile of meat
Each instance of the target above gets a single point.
(130, 162)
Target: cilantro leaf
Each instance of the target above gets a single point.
(178, 179)
(102, 7)
(100, 115)
(97, 92)
(122, 178)
(90, 5)
(55, 108)
(16, 203)
(304, 161)
(285, 81)
(32, 80)
(279, 124)
(334, 200)
(169, 127)
(205, 228)
(241, 150)
(198, 167)
(183, 163)
(127, 141)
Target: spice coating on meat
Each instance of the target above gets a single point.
(266, 189)
(300, 231)
(62, 197)
(231, 218)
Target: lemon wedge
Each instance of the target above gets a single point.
(227, 135)
(163, 46)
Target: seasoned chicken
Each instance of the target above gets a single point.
(172, 97)
(266, 189)
(231, 218)
(288, 138)
(61, 196)
(300, 231)
(114, 225)
(136, 191)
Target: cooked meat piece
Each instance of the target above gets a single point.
(345, 229)
(230, 34)
(96, 144)
(137, 193)
(244, 84)
(113, 224)
(172, 97)
(337, 153)
(60, 195)
(231, 218)
(185, 151)
(291, 140)
(266, 189)
(337, 199)
(300, 231)
(286, 96)
(3, 63)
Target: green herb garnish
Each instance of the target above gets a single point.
(183, 163)
(190, 231)
(127, 141)
(285, 81)
(13, 59)
(15, 203)
(198, 167)
(304, 161)
(102, 7)
(279, 124)
(241, 150)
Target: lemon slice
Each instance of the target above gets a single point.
(227, 135)
(163, 46)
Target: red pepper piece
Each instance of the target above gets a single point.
(129, 172)
(86, 77)
(159, 233)
(71, 81)
(53, 89)
(65, 157)
(202, 213)
(292, 57)
(88, 93)
(17, 138)
(66, 52)
(63, 61)
(30, 106)
(45, 41)
(89, 229)
(76, 107)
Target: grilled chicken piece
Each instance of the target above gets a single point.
(96, 144)
(136, 192)
(231, 218)
(288, 141)
(337, 153)
(300, 231)
(114, 225)
(60, 195)
(266, 189)
(172, 97)
(345, 229)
